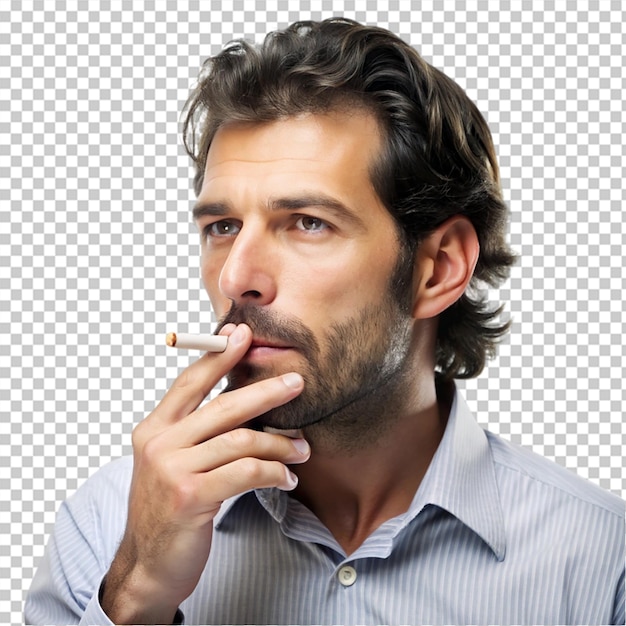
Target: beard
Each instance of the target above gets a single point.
(355, 376)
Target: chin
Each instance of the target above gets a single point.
(244, 374)
(290, 416)
(276, 420)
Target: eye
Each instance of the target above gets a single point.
(223, 228)
(310, 224)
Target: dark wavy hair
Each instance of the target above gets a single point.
(437, 160)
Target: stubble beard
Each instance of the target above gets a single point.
(361, 391)
(354, 383)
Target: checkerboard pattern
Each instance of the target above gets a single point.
(99, 258)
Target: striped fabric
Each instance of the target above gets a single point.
(495, 535)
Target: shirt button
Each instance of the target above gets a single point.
(347, 576)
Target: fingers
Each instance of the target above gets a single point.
(234, 408)
(245, 443)
(187, 461)
(197, 381)
(239, 461)
(244, 475)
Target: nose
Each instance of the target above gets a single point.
(249, 274)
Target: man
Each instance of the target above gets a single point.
(349, 209)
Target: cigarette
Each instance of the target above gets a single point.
(208, 343)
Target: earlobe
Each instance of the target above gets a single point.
(445, 263)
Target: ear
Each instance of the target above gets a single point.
(445, 263)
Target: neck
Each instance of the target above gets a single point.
(354, 487)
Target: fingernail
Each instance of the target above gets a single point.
(302, 446)
(293, 380)
(292, 481)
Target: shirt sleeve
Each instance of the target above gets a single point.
(85, 537)
(65, 583)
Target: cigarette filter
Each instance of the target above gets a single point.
(208, 343)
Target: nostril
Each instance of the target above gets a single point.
(251, 294)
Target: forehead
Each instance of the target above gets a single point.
(338, 145)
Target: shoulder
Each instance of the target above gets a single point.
(561, 523)
(99, 507)
(518, 467)
(115, 475)
(110, 481)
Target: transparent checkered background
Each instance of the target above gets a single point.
(99, 257)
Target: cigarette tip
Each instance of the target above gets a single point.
(170, 339)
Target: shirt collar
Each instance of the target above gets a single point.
(461, 479)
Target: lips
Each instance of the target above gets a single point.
(265, 348)
(267, 343)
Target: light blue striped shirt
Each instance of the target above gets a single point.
(495, 535)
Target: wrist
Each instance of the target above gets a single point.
(129, 598)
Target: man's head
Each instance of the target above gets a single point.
(297, 244)
(435, 159)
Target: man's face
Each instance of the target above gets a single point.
(296, 244)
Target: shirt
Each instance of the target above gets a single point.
(495, 534)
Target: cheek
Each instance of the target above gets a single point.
(338, 288)
(210, 274)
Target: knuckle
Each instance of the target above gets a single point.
(192, 378)
(184, 494)
(222, 403)
(136, 440)
(251, 470)
(169, 466)
(242, 438)
(145, 430)
(139, 435)
(185, 379)
(151, 451)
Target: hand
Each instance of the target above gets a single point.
(187, 461)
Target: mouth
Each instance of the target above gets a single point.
(260, 342)
(261, 349)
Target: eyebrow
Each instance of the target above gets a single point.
(289, 203)
(210, 208)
